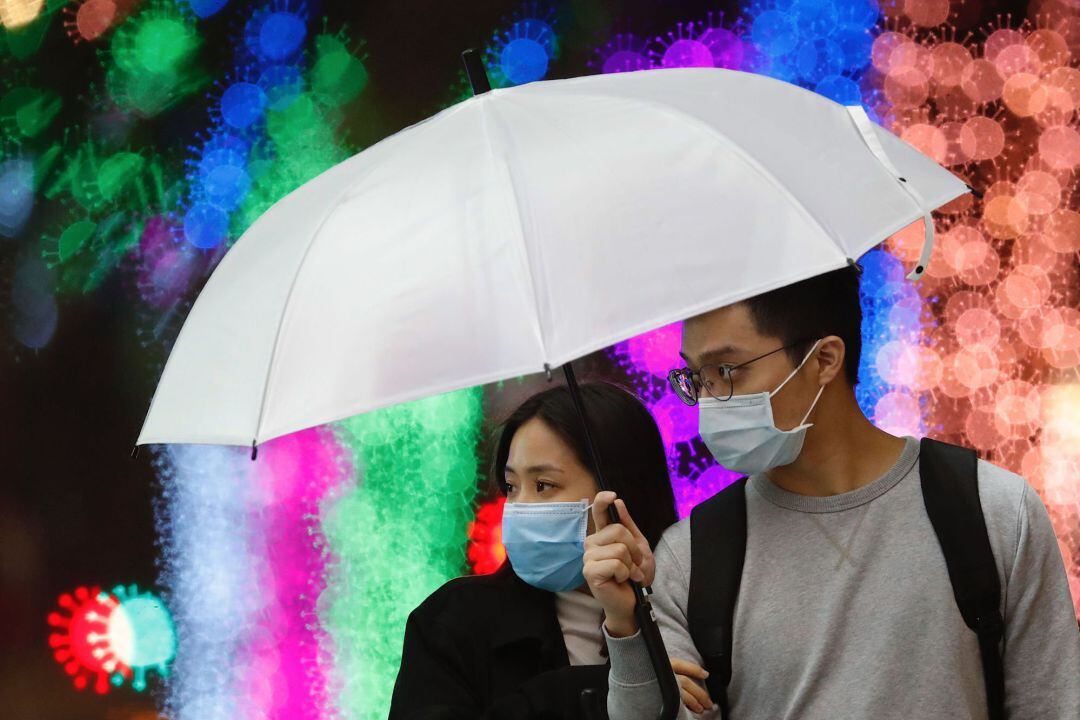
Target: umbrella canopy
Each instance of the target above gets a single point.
(523, 228)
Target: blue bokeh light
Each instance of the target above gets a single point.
(223, 179)
(242, 104)
(818, 57)
(282, 84)
(205, 225)
(855, 43)
(16, 195)
(206, 8)
(280, 35)
(842, 89)
(523, 60)
(774, 32)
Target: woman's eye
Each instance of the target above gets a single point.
(540, 485)
(508, 488)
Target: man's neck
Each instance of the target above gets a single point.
(841, 454)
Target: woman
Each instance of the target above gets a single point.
(525, 641)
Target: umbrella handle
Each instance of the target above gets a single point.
(643, 611)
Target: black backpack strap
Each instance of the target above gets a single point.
(950, 487)
(717, 549)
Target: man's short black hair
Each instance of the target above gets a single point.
(813, 308)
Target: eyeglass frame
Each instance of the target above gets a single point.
(695, 375)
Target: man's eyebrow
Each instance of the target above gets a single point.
(533, 469)
(716, 353)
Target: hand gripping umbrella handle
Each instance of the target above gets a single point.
(643, 612)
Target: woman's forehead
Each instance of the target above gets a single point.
(534, 445)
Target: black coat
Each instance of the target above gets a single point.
(489, 646)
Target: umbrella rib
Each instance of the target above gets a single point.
(504, 163)
(285, 308)
(345, 194)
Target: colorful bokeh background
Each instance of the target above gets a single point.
(138, 139)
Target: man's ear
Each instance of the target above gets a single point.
(830, 358)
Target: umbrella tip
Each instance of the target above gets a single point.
(917, 272)
(974, 192)
(135, 451)
(476, 72)
(857, 266)
(254, 450)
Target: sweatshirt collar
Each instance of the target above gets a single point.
(777, 495)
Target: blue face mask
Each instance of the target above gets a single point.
(546, 541)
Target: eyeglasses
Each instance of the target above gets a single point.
(715, 378)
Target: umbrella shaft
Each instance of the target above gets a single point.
(590, 447)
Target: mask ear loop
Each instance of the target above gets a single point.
(866, 129)
(808, 354)
(812, 405)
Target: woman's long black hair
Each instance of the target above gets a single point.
(630, 449)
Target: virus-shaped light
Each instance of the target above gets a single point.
(205, 8)
(140, 635)
(81, 640)
(89, 20)
(153, 59)
(523, 51)
(112, 637)
(625, 52)
(25, 110)
(16, 194)
(338, 74)
(998, 354)
(276, 31)
(165, 264)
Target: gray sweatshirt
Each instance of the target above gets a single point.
(846, 610)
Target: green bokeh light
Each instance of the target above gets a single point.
(301, 144)
(117, 173)
(27, 111)
(337, 76)
(154, 59)
(73, 237)
(163, 45)
(397, 536)
(107, 198)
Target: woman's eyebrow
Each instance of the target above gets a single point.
(533, 469)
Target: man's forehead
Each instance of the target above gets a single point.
(718, 335)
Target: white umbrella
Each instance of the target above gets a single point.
(526, 227)
(523, 228)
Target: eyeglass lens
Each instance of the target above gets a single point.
(717, 381)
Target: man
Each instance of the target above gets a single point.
(845, 607)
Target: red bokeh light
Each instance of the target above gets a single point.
(486, 552)
(80, 642)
